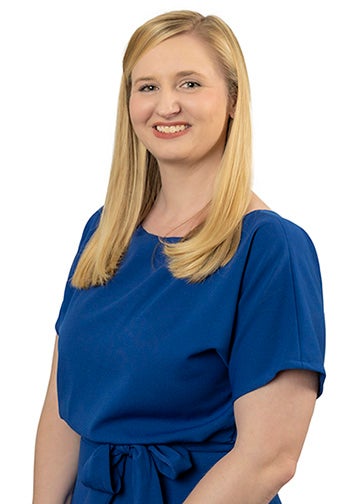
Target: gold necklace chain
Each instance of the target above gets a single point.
(196, 215)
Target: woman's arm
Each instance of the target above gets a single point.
(272, 423)
(56, 451)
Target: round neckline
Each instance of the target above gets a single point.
(158, 237)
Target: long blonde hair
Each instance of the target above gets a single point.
(135, 180)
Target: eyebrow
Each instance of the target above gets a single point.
(183, 73)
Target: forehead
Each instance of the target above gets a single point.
(176, 54)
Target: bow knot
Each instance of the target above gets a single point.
(103, 472)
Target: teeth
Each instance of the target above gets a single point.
(171, 129)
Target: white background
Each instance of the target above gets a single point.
(60, 73)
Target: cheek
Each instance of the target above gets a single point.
(139, 110)
(133, 110)
(213, 106)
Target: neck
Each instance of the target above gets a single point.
(182, 201)
(185, 188)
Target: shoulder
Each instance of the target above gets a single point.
(268, 222)
(93, 222)
(276, 252)
(90, 227)
(266, 231)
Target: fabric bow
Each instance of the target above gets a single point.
(103, 472)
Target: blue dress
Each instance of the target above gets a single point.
(150, 365)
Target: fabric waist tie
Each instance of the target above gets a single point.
(103, 471)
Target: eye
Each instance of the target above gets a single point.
(190, 85)
(147, 88)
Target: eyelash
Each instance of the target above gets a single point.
(194, 84)
(148, 88)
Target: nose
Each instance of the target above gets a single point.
(168, 104)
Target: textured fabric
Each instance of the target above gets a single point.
(149, 365)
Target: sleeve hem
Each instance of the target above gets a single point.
(263, 380)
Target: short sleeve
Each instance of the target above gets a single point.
(88, 231)
(280, 317)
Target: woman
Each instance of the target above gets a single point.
(191, 336)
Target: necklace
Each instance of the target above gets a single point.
(162, 240)
(195, 217)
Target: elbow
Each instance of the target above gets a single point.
(283, 470)
(269, 471)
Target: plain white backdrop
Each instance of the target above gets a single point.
(61, 68)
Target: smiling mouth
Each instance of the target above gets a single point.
(171, 129)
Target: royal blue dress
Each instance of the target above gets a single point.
(150, 365)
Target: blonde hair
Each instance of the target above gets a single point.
(135, 180)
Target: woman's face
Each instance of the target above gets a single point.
(179, 103)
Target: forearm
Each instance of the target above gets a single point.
(56, 459)
(56, 451)
(272, 422)
(236, 479)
